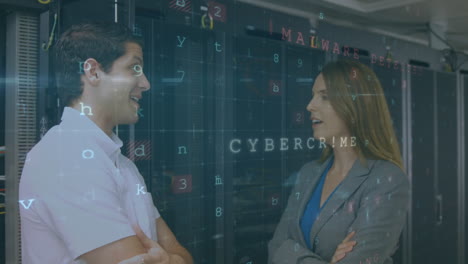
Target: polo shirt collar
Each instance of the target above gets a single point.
(72, 119)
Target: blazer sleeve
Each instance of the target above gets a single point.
(380, 218)
(283, 249)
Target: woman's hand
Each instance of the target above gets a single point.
(156, 254)
(343, 248)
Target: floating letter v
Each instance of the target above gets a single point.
(29, 205)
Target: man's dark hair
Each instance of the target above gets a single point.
(105, 42)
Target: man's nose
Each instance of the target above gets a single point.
(143, 83)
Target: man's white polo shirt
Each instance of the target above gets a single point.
(78, 193)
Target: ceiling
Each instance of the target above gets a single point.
(408, 19)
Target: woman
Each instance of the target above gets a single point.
(350, 205)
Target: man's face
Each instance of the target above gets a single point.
(123, 86)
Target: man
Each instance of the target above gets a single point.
(81, 200)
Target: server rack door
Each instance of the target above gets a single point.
(465, 99)
(446, 226)
(423, 194)
(173, 145)
(259, 93)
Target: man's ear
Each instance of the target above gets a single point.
(92, 71)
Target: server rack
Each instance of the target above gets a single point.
(438, 102)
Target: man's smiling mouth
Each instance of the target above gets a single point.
(134, 98)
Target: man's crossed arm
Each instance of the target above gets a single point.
(140, 249)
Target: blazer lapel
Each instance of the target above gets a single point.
(308, 182)
(348, 186)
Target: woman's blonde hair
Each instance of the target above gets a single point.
(356, 95)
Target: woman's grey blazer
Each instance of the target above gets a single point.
(372, 200)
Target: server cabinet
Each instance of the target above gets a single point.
(173, 143)
(465, 201)
(435, 179)
(423, 167)
(209, 139)
(446, 181)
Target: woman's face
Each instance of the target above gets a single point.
(325, 122)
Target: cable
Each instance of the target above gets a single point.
(45, 46)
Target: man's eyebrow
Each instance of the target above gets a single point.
(138, 59)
